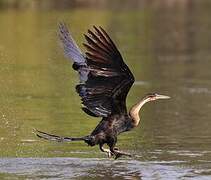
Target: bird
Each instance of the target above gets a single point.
(104, 82)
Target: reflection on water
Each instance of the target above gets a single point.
(79, 168)
(168, 53)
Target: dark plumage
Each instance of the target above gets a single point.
(105, 81)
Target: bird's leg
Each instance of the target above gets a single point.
(118, 153)
(108, 151)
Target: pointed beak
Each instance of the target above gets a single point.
(162, 97)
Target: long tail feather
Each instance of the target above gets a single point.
(52, 137)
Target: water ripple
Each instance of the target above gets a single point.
(78, 168)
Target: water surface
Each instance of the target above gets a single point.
(168, 53)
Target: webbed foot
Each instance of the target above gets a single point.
(117, 154)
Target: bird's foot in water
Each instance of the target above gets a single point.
(117, 154)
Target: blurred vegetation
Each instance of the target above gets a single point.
(35, 4)
(66, 4)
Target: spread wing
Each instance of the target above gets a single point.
(71, 49)
(108, 80)
(73, 52)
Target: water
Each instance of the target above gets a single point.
(79, 168)
(168, 50)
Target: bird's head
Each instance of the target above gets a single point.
(134, 111)
(155, 96)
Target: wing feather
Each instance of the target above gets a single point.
(108, 79)
(71, 49)
(73, 52)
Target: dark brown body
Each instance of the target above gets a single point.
(108, 129)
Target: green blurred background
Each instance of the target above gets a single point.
(166, 44)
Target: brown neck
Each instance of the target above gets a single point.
(134, 111)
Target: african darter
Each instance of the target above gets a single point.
(105, 81)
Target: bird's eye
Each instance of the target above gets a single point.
(153, 97)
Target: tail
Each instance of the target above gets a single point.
(52, 137)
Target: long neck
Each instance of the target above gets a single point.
(134, 111)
